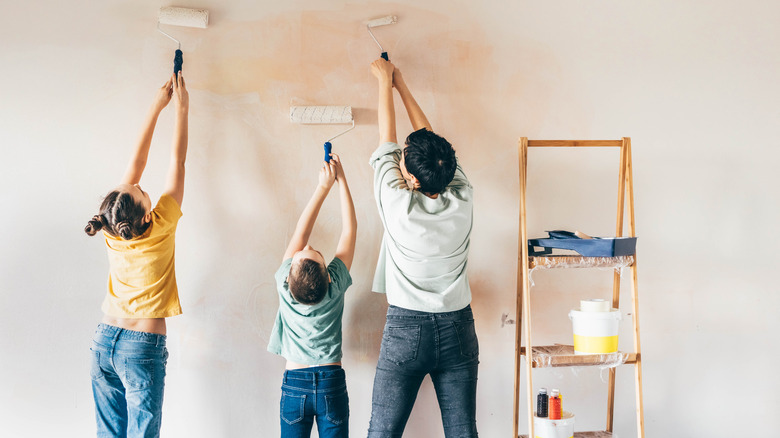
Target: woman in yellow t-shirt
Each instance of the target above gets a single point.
(128, 349)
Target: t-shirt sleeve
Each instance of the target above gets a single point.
(390, 189)
(339, 276)
(387, 151)
(167, 211)
(386, 161)
(282, 273)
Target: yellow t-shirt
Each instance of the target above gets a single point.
(142, 278)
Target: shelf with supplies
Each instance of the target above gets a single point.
(621, 259)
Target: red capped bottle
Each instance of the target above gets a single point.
(556, 407)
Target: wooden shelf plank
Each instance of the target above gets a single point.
(594, 434)
(578, 261)
(563, 356)
(574, 143)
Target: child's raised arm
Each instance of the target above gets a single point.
(345, 250)
(416, 115)
(175, 184)
(383, 70)
(300, 237)
(137, 164)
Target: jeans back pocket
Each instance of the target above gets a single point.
(337, 407)
(292, 407)
(139, 373)
(400, 344)
(94, 368)
(467, 338)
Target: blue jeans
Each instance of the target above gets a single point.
(128, 377)
(319, 392)
(414, 344)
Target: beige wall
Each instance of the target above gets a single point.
(693, 83)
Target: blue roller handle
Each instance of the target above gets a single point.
(328, 148)
(384, 56)
(178, 60)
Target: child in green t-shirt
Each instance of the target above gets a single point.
(307, 331)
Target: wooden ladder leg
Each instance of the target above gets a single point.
(524, 302)
(518, 332)
(616, 275)
(528, 351)
(518, 322)
(640, 423)
(519, 293)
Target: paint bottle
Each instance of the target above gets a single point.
(555, 405)
(541, 403)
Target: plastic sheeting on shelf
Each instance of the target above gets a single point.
(563, 355)
(566, 262)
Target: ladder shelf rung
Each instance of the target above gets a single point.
(594, 434)
(563, 356)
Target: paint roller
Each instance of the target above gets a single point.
(384, 21)
(323, 115)
(185, 17)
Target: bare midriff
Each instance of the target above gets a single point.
(146, 325)
(297, 366)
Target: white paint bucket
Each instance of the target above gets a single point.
(546, 428)
(595, 332)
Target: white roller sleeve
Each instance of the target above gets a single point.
(390, 19)
(321, 114)
(184, 17)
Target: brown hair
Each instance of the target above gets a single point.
(308, 281)
(120, 215)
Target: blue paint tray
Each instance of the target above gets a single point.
(595, 247)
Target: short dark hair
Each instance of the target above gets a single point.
(120, 215)
(431, 159)
(308, 281)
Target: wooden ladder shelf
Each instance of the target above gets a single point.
(563, 355)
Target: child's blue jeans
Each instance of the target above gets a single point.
(414, 344)
(128, 378)
(316, 392)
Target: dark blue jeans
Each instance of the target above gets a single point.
(128, 379)
(414, 344)
(317, 392)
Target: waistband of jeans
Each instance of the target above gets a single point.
(400, 312)
(118, 333)
(312, 373)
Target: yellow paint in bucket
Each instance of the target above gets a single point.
(595, 332)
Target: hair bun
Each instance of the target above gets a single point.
(95, 224)
(124, 230)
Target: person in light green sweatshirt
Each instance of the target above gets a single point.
(425, 202)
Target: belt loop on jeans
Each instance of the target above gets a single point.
(117, 333)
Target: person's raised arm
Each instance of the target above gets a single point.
(345, 250)
(175, 184)
(383, 70)
(137, 164)
(416, 115)
(300, 237)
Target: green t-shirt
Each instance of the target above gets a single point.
(310, 334)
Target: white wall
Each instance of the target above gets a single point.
(694, 83)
